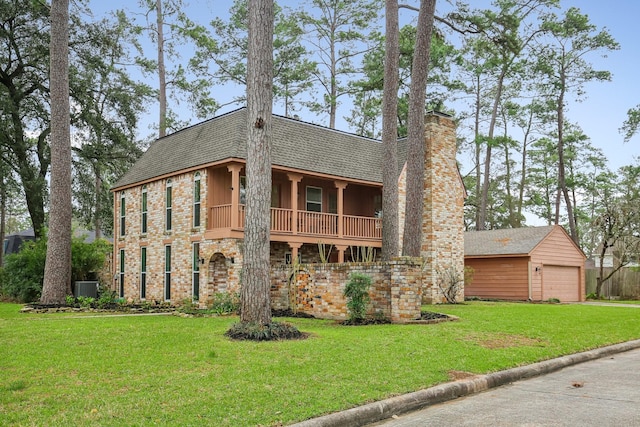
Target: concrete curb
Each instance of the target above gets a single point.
(377, 411)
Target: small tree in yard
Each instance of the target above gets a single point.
(450, 282)
(357, 293)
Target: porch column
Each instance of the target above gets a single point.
(341, 249)
(235, 193)
(295, 178)
(294, 251)
(340, 185)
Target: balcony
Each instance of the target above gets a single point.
(315, 225)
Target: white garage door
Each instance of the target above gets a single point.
(561, 282)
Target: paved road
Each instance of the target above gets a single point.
(602, 392)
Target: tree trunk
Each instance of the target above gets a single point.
(256, 305)
(562, 182)
(162, 72)
(487, 161)
(333, 89)
(3, 215)
(97, 219)
(57, 271)
(476, 134)
(523, 167)
(412, 237)
(390, 134)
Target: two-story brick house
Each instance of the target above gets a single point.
(179, 211)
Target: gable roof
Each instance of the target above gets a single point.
(295, 144)
(508, 241)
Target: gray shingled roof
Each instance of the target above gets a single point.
(509, 241)
(295, 144)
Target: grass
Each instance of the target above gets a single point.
(60, 370)
(621, 301)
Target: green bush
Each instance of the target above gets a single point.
(87, 258)
(23, 272)
(357, 293)
(106, 297)
(225, 303)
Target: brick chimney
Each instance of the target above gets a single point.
(443, 214)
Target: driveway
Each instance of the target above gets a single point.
(601, 392)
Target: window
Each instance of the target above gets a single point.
(143, 272)
(243, 190)
(167, 272)
(196, 271)
(377, 205)
(122, 214)
(121, 275)
(275, 196)
(143, 209)
(196, 200)
(168, 203)
(333, 202)
(275, 193)
(314, 199)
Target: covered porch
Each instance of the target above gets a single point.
(305, 209)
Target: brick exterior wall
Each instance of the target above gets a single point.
(394, 288)
(317, 289)
(181, 238)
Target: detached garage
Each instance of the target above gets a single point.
(532, 263)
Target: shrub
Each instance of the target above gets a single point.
(450, 282)
(87, 258)
(24, 271)
(357, 293)
(105, 298)
(86, 302)
(593, 296)
(225, 303)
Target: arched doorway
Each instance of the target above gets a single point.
(218, 274)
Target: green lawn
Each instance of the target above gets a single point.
(621, 301)
(60, 370)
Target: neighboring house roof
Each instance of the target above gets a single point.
(295, 144)
(508, 241)
(28, 233)
(13, 242)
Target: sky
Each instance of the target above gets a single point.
(600, 115)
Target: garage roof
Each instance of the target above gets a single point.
(508, 241)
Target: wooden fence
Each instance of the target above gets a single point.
(624, 284)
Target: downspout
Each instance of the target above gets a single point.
(529, 278)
